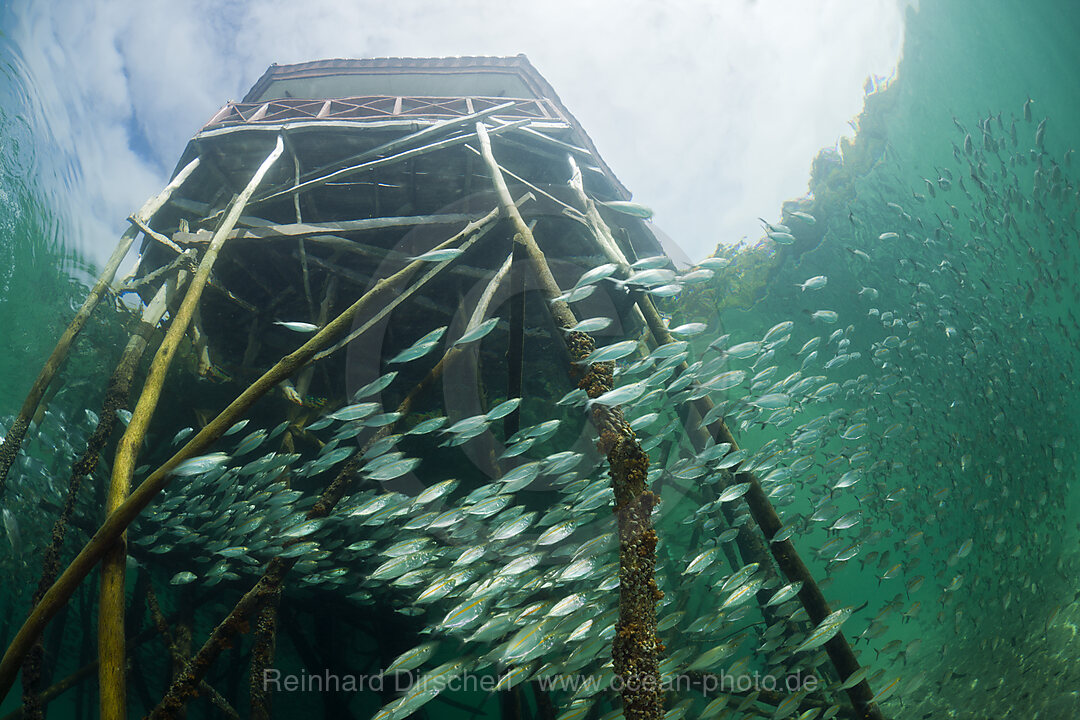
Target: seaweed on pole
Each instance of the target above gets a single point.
(9, 447)
(75, 678)
(636, 648)
(262, 655)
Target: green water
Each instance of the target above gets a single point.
(961, 364)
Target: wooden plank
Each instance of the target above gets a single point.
(295, 230)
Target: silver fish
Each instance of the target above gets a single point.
(589, 325)
(478, 332)
(300, 327)
(438, 255)
(595, 275)
(201, 464)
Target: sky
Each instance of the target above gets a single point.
(709, 111)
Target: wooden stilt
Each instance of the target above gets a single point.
(515, 351)
(262, 657)
(200, 344)
(636, 648)
(74, 680)
(48, 695)
(9, 448)
(116, 398)
(111, 612)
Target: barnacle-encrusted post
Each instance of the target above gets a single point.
(111, 611)
(9, 446)
(262, 656)
(116, 397)
(636, 648)
(75, 678)
(117, 521)
(43, 698)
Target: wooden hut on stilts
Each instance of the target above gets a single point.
(389, 241)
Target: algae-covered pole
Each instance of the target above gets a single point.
(116, 398)
(143, 495)
(9, 447)
(75, 679)
(111, 611)
(636, 648)
(262, 656)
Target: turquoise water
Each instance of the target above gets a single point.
(941, 400)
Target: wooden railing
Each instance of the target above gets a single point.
(375, 108)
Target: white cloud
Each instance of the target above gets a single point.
(708, 111)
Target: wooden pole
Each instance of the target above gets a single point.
(262, 657)
(111, 682)
(73, 680)
(116, 398)
(515, 351)
(9, 448)
(118, 520)
(636, 648)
